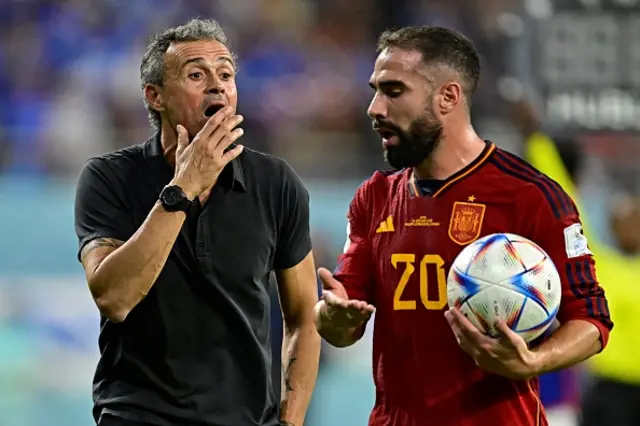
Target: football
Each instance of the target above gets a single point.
(505, 276)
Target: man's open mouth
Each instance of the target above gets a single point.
(212, 109)
(386, 134)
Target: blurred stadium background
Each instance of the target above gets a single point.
(69, 89)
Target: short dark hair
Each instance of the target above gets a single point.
(438, 46)
(152, 66)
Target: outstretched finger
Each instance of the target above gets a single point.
(465, 327)
(232, 154)
(183, 139)
(226, 134)
(361, 306)
(506, 333)
(215, 121)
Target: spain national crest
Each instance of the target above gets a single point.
(466, 222)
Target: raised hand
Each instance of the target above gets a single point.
(340, 311)
(199, 163)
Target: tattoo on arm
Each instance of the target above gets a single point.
(286, 423)
(285, 374)
(99, 242)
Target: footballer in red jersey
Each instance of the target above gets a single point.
(405, 228)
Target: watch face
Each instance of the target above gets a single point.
(172, 196)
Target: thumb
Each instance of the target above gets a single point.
(328, 282)
(183, 139)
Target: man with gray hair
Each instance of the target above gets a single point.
(178, 238)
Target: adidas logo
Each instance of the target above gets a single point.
(386, 226)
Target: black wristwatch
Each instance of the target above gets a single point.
(173, 199)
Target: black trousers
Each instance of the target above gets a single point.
(609, 403)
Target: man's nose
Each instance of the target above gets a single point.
(215, 86)
(377, 108)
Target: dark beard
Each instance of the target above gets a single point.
(416, 144)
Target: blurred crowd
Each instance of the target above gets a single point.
(69, 83)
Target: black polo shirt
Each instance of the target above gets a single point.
(196, 350)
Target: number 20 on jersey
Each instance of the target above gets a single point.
(407, 263)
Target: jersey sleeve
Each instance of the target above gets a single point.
(558, 230)
(355, 264)
(294, 240)
(100, 212)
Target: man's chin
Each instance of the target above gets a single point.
(396, 160)
(398, 165)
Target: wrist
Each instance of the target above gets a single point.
(535, 362)
(190, 192)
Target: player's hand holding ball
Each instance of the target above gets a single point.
(504, 292)
(341, 311)
(507, 355)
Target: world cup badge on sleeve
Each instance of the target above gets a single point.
(466, 222)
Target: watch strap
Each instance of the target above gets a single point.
(185, 204)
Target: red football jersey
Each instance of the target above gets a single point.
(400, 246)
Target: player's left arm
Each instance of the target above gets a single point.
(584, 314)
(298, 291)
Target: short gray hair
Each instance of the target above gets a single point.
(152, 66)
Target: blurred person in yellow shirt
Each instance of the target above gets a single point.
(612, 397)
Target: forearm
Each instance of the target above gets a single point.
(126, 275)
(300, 357)
(571, 344)
(335, 336)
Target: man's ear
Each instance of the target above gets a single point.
(450, 96)
(154, 96)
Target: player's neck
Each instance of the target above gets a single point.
(169, 142)
(454, 153)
